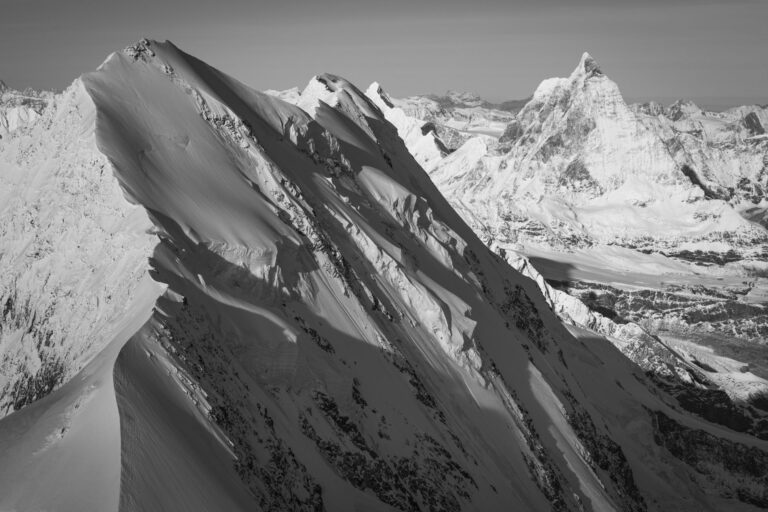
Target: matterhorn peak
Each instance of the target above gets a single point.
(588, 66)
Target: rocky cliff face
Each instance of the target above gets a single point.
(324, 332)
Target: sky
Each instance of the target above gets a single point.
(501, 49)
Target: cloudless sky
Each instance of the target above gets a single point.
(500, 49)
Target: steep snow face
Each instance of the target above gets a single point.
(334, 337)
(72, 250)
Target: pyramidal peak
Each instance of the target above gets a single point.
(587, 82)
(588, 67)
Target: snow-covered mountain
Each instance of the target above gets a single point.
(256, 305)
(653, 216)
(579, 168)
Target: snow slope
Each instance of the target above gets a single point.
(332, 333)
(62, 452)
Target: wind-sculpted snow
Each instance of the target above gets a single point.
(334, 337)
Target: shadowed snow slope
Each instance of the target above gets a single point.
(332, 336)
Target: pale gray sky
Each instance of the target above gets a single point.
(500, 49)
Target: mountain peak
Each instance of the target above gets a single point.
(375, 89)
(588, 66)
(140, 49)
(335, 91)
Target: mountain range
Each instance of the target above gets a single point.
(215, 298)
